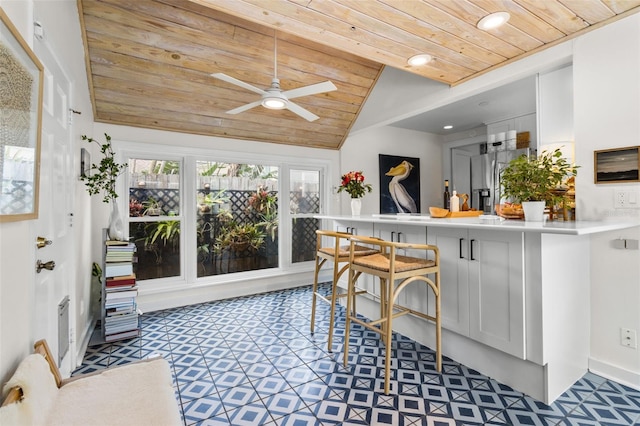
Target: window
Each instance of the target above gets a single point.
(198, 215)
(304, 190)
(237, 219)
(154, 220)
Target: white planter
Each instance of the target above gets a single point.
(533, 211)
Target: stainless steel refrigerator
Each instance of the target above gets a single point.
(486, 170)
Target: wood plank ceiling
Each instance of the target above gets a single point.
(149, 61)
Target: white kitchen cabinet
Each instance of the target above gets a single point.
(454, 277)
(483, 285)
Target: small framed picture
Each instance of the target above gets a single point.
(617, 165)
(85, 162)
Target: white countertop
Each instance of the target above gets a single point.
(492, 222)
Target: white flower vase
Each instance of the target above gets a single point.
(356, 206)
(533, 211)
(116, 226)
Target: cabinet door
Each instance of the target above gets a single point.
(454, 277)
(496, 290)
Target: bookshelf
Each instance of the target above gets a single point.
(119, 301)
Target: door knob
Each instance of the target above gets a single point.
(48, 265)
(41, 242)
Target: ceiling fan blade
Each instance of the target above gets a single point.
(245, 107)
(312, 89)
(237, 82)
(297, 109)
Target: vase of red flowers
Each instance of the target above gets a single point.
(353, 184)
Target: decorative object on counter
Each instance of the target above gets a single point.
(617, 165)
(510, 211)
(455, 202)
(353, 184)
(465, 202)
(447, 195)
(437, 212)
(399, 184)
(102, 180)
(535, 178)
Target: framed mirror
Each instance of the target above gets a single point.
(21, 78)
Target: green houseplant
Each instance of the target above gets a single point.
(239, 237)
(536, 178)
(101, 179)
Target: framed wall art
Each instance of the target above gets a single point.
(399, 184)
(21, 74)
(617, 165)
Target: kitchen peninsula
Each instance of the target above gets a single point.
(515, 294)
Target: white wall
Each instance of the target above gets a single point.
(361, 151)
(17, 240)
(607, 115)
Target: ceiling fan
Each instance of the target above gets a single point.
(275, 98)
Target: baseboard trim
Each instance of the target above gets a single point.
(615, 373)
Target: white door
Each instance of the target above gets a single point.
(55, 211)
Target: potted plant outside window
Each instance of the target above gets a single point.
(536, 179)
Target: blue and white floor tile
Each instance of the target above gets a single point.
(253, 361)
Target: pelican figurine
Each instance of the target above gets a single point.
(404, 202)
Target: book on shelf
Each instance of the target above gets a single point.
(120, 303)
(116, 243)
(121, 280)
(121, 294)
(124, 335)
(118, 269)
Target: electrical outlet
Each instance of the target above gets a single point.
(629, 199)
(628, 338)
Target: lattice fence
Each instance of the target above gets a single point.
(237, 204)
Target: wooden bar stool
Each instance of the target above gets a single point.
(395, 272)
(335, 254)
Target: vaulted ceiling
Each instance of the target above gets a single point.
(150, 61)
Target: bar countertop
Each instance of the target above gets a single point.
(491, 222)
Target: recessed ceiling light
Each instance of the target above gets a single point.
(493, 20)
(418, 60)
(448, 127)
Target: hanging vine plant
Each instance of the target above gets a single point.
(102, 176)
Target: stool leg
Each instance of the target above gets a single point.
(347, 325)
(314, 291)
(438, 327)
(387, 332)
(332, 310)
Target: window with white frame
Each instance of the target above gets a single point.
(192, 216)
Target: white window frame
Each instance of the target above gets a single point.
(187, 157)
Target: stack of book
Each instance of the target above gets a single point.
(121, 292)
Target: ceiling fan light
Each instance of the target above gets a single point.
(417, 60)
(493, 20)
(274, 103)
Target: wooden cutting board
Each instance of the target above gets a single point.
(444, 214)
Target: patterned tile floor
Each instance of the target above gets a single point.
(252, 361)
